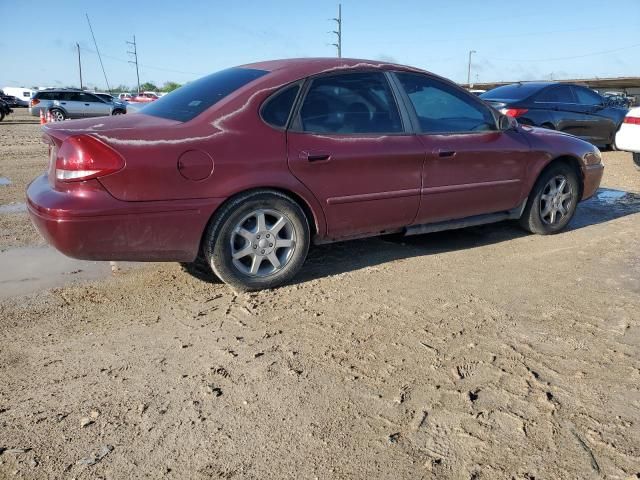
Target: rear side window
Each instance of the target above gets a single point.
(277, 109)
(440, 108)
(45, 96)
(350, 103)
(560, 94)
(511, 93)
(190, 100)
(587, 97)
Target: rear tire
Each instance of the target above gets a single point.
(636, 159)
(552, 201)
(57, 114)
(258, 240)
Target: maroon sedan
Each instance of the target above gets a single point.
(245, 168)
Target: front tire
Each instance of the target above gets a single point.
(553, 200)
(258, 240)
(636, 159)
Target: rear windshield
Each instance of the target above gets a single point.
(511, 93)
(192, 99)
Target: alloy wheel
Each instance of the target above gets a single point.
(262, 243)
(556, 199)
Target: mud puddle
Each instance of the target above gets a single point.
(15, 207)
(30, 269)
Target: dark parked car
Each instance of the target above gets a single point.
(243, 169)
(5, 109)
(565, 107)
(10, 100)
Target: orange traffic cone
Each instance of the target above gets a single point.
(49, 117)
(42, 119)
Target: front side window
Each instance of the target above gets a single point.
(353, 103)
(440, 108)
(561, 94)
(277, 109)
(587, 97)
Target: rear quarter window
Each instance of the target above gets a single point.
(190, 100)
(277, 109)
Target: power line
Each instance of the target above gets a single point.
(98, 51)
(150, 67)
(593, 54)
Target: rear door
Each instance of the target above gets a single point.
(348, 144)
(72, 103)
(471, 166)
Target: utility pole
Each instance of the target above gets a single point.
(79, 65)
(471, 52)
(135, 55)
(339, 31)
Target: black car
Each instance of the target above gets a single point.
(565, 107)
(4, 109)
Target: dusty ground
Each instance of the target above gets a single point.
(484, 353)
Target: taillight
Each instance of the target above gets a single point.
(632, 120)
(34, 102)
(82, 157)
(514, 112)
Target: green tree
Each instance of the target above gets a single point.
(121, 88)
(148, 87)
(170, 86)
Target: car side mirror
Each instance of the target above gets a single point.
(507, 123)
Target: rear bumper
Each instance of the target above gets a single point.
(628, 138)
(90, 224)
(592, 178)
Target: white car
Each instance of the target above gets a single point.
(628, 137)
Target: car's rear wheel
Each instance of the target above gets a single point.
(636, 159)
(258, 240)
(57, 115)
(1, 116)
(553, 200)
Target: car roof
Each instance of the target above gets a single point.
(311, 66)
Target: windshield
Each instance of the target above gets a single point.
(511, 93)
(192, 99)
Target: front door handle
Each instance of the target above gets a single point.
(446, 153)
(87, 104)
(315, 156)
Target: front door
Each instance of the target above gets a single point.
(348, 145)
(471, 166)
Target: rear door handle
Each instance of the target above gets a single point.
(315, 156)
(87, 104)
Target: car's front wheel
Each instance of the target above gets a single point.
(553, 200)
(636, 159)
(258, 240)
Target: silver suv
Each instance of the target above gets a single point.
(67, 103)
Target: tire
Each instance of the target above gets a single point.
(1, 116)
(538, 216)
(118, 112)
(57, 114)
(241, 243)
(636, 159)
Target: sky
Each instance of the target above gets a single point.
(183, 40)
